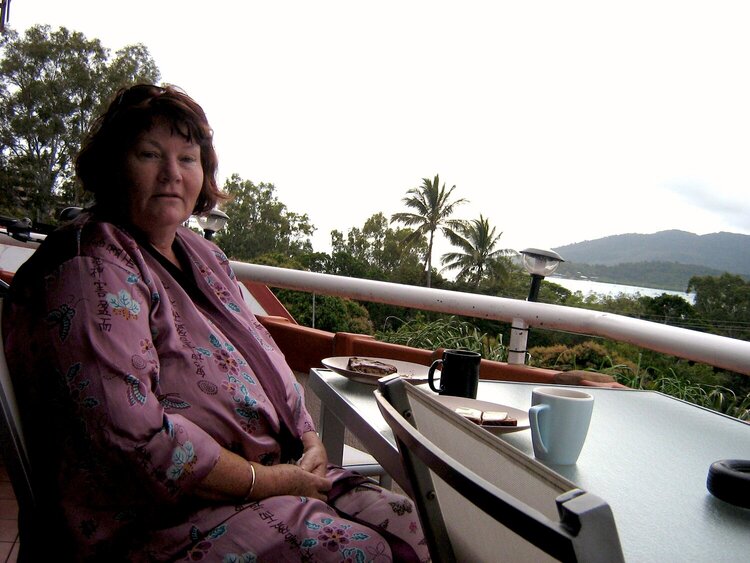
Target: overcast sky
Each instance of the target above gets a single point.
(560, 121)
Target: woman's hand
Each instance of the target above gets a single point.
(287, 479)
(232, 476)
(314, 457)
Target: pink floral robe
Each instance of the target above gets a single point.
(131, 378)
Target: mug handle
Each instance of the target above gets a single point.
(431, 373)
(536, 435)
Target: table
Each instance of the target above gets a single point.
(646, 454)
(346, 404)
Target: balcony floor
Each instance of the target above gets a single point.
(8, 519)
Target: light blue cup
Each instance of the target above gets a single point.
(559, 420)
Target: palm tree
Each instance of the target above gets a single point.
(478, 257)
(433, 209)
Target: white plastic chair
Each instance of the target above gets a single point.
(481, 499)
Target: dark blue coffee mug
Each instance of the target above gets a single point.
(459, 375)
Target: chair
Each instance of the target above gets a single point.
(480, 499)
(363, 463)
(15, 454)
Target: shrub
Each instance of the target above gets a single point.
(585, 356)
(446, 332)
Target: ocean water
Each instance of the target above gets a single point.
(613, 289)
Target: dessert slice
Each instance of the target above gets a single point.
(370, 367)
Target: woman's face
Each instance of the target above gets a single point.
(164, 177)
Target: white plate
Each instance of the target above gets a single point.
(521, 416)
(409, 371)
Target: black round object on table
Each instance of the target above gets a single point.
(729, 480)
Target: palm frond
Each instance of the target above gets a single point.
(478, 258)
(407, 218)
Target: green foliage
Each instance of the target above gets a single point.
(333, 314)
(722, 306)
(477, 258)
(433, 208)
(716, 398)
(725, 301)
(326, 312)
(669, 309)
(52, 84)
(278, 260)
(260, 224)
(670, 382)
(696, 383)
(587, 355)
(622, 303)
(727, 401)
(446, 332)
(690, 382)
(513, 282)
(376, 252)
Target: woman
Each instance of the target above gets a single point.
(164, 421)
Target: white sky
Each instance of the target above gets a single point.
(560, 121)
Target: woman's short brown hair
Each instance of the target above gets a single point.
(133, 111)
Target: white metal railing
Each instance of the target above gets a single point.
(719, 351)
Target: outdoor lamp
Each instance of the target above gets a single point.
(539, 263)
(212, 223)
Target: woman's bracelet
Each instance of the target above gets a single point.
(252, 482)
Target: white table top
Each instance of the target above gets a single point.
(646, 454)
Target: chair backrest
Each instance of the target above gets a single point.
(14, 450)
(481, 499)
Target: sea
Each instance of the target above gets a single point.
(613, 289)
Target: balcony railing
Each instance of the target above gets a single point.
(718, 351)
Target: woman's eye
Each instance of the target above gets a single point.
(149, 154)
(189, 158)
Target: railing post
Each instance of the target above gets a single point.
(519, 334)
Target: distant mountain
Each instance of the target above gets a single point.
(724, 252)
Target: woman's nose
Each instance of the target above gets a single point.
(169, 170)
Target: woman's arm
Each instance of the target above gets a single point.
(109, 371)
(232, 478)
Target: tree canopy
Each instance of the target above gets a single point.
(433, 208)
(478, 256)
(52, 84)
(260, 224)
(376, 251)
(724, 302)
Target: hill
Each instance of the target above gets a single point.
(726, 252)
(666, 260)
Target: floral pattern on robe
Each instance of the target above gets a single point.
(144, 377)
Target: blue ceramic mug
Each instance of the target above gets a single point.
(559, 420)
